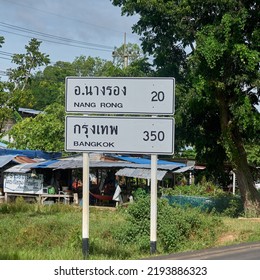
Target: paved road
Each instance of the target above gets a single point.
(245, 251)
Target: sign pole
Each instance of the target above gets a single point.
(153, 213)
(85, 206)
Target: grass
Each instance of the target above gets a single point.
(32, 232)
(53, 232)
(239, 230)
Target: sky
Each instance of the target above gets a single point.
(67, 28)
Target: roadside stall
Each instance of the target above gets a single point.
(61, 180)
(22, 180)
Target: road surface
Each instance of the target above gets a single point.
(244, 251)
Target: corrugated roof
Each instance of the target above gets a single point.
(21, 168)
(29, 111)
(73, 163)
(30, 153)
(141, 160)
(140, 173)
(45, 164)
(17, 159)
(5, 160)
(23, 159)
(183, 169)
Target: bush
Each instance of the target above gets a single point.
(139, 193)
(178, 228)
(203, 189)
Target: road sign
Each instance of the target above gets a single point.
(139, 96)
(120, 135)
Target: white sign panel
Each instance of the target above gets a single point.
(23, 183)
(120, 134)
(140, 96)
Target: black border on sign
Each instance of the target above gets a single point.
(122, 152)
(116, 112)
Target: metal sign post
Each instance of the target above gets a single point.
(85, 206)
(153, 205)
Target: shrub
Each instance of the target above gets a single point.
(178, 228)
(205, 189)
(139, 193)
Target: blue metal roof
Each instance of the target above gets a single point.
(140, 160)
(44, 164)
(30, 153)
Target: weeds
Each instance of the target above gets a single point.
(46, 232)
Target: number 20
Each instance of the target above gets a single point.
(157, 96)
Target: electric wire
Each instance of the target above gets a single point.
(66, 17)
(59, 38)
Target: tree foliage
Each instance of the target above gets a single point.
(15, 92)
(45, 90)
(26, 63)
(44, 132)
(212, 49)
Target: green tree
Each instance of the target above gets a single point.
(2, 96)
(44, 132)
(48, 86)
(212, 48)
(126, 54)
(17, 88)
(26, 63)
(5, 110)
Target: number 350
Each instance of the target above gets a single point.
(153, 135)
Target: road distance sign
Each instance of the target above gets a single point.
(137, 135)
(138, 96)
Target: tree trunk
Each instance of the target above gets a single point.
(249, 194)
(234, 147)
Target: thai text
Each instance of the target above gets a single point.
(100, 90)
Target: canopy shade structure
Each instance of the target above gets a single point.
(140, 173)
(183, 169)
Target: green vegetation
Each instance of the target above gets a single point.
(211, 47)
(178, 229)
(33, 231)
(207, 196)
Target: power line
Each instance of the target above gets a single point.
(5, 58)
(53, 38)
(55, 42)
(6, 53)
(66, 17)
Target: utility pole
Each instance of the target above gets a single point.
(125, 55)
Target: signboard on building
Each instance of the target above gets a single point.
(23, 183)
(137, 96)
(120, 135)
